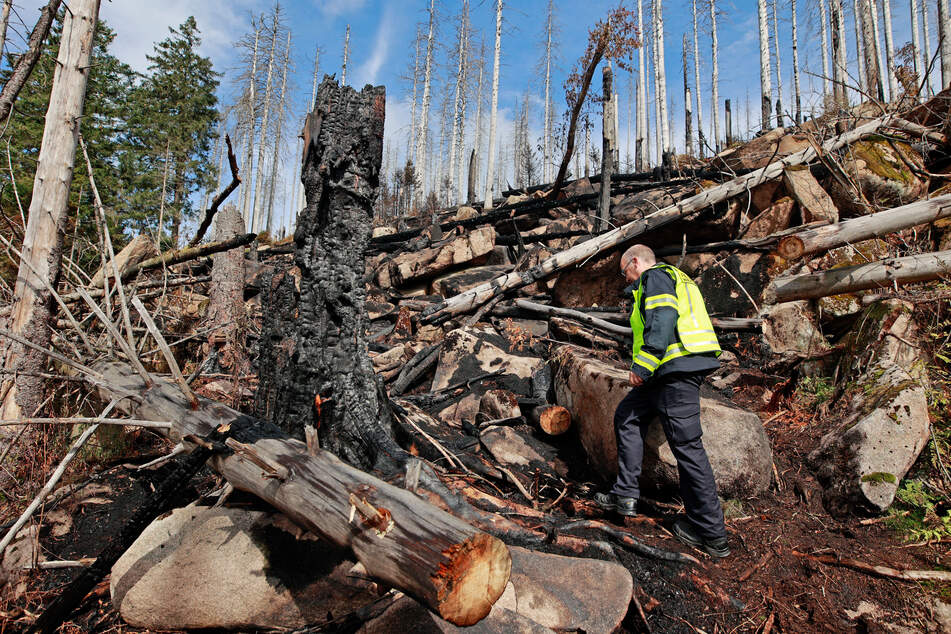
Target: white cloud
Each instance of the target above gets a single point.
(334, 8)
(368, 71)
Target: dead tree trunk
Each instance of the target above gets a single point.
(43, 239)
(226, 297)
(24, 66)
(328, 381)
(608, 145)
(865, 227)
(881, 274)
(452, 568)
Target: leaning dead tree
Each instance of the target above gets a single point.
(328, 381)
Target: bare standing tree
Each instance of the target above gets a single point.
(890, 51)
(346, 57)
(421, 139)
(477, 150)
(546, 155)
(250, 111)
(915, 41)
(765, 80)
(4, 22)
(797, 96)
(944, 39)
(641, 144)
(276, 158)
(824, 47)
(688, 115)
(32, 316)
(779, 72)
(494, 112)
(663, 118)
(880, 67)
(860, 45)
(696, 81)
(839, 59)
(873, 80)
(454, 149)
(715, 86)
(926, 52)
(259, 178)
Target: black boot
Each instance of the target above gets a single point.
(685, 532)
(611, 502)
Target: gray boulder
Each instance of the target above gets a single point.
(231, 569)
(735, 441)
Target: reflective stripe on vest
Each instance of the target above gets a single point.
(694, 329)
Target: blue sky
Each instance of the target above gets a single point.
(382, 34)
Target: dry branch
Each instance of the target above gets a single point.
(189, 253)
(24, 66)
(220, 198)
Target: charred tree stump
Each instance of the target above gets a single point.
(328, 380)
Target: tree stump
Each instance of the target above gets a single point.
(328, 380)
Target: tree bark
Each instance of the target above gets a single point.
(715, 85)
(41, 256)
(478, 295)
(824, 47)
(765, 79)
(252, 119)
(277, 139)
(422, 138)
(839, 72)
(688, 105)
(328, 381)
(779, 71)
(663, 120)
(226, 295)
(24, 66)
(858, 229)
(641, 142)
(893, 91)
(873, 76)
(944, 37)
(881, 274)
(797, 97)
(696, 82)
(259, 178)
(455, 570)
(915, 44)
(926, 52)
(493, 116)
(608, 145)
(546, 151)
(346, 57)
(4, 23)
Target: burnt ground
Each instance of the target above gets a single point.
(765, 585)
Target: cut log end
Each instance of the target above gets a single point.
(790, 248)
(473, 579)
(554, 420)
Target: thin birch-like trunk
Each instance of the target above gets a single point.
(463, 107)
(252, 119)
(696, 82)
(641, 148)
(839, 59)
(630, 106)
(873, 80)
(275, 161)
(688, 115)
(259, 180)
(494, 112)
(944, 39)
(880, 67)
(765, 79)
(915, 43)
(824, 46)
(797, 96)
(658, 137)
(860, 47)
(411, 141)
(460, 86)
(926, 52)
(715, 86)
(478, 123)
(661, 75)
(421, 141)
(346, 57)
(893, 90)
(779, 71)
(547, 125)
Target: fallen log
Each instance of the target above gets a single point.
(881, 274)
(554, 420)
(857, 229)
(575, 315)
(471, 299)
(455, 570)
(189, 253)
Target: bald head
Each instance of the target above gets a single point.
(636, 260)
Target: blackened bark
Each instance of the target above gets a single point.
(343, 150)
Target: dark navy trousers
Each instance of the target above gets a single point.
(675, 399)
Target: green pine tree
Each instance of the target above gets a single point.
(103, 127)
(174, 116)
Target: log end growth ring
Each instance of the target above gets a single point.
(474, 578)
(790, 248)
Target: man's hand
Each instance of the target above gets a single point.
(635, 380)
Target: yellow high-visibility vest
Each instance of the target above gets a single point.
(694, 329)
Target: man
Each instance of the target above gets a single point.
(674, 349)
